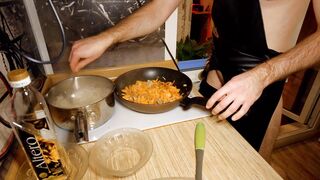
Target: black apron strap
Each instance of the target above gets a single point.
(240, 25)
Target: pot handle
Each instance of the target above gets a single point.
(81, 128)
(187, 102)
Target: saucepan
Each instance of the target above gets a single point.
(179, 79)
(81, 103)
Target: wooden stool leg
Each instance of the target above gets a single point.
(271, 133)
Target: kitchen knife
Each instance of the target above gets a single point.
(199, 140)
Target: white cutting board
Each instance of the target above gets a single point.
(125, 118)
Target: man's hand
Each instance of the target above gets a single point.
(237, 95)
(143, 21)
(87, 50)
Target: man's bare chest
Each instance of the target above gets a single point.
(282, 21)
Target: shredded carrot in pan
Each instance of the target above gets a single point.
(151, 92)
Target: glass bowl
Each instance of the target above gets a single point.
(120, 152)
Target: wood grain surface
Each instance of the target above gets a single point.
(226, 156)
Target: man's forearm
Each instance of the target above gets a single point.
(304, 55)
(143, 21)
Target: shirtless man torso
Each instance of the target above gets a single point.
(282, 20)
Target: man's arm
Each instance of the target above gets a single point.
(305, 54)
(143, 21)
(243, 90)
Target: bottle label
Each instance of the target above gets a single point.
(21, 83)
(42, 125)
(43, 153)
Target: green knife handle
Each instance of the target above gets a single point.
(200, 136)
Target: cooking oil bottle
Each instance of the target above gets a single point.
(31, 122)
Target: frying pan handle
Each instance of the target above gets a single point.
(187, 102)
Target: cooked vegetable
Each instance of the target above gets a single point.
(151, 92)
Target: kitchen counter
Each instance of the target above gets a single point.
(227, 155)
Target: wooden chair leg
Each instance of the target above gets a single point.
(271, 133)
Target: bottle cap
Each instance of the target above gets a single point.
(18, 74)
(19, 78)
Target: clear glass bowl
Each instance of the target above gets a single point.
(120, 152)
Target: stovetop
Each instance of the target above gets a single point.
(125, 118)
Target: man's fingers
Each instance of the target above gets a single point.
(83, 62)
(230, 110)
(242, 111)
(73, 49)
(74, 59)
(219, 95)
(223, 104)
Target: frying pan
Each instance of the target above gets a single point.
(180, 80)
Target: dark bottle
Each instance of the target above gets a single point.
(31, 122)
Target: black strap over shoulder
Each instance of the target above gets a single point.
(241, 44)
(240, 25)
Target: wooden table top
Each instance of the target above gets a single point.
(226, 156)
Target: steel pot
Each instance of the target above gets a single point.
(81, 103)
